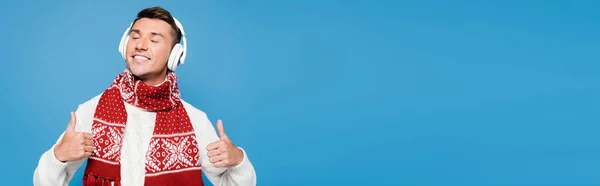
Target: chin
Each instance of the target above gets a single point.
(138, 72)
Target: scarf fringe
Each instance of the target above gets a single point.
(171, 119)
(92, 180)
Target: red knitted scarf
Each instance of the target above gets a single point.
(172, 157)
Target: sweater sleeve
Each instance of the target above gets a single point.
(49, 170)
(241, 175)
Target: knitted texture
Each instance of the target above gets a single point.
(173, 156)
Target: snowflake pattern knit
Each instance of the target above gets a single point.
(172, 157)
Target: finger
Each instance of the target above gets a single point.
(71, 126)
(222, 163)
(88, 136)
(88, 142)
(88, 149)
(216, 159)
(219, 164)
(221, 130)
(214, 145)
(214, 153)
(87, 154)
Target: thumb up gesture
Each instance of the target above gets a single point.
(223, 153)
(74, 145)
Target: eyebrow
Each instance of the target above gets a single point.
(153, 33)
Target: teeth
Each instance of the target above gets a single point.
(141, 57)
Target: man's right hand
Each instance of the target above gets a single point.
(74, 145)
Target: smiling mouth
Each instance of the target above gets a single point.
(140, 58)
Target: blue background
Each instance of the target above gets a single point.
(337, 92)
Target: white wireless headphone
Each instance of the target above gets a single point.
(178, 52)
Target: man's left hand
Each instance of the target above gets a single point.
(223, 153)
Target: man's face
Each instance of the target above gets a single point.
(148, 49)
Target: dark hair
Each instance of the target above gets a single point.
(162, 14)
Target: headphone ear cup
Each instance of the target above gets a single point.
(123, 43)
(123, 47)
(174, 57)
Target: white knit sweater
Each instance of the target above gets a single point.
(136, 139)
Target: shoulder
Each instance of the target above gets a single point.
(89, 105)
(193, 111)
(198, 117)
(203, 128)
(85, 114)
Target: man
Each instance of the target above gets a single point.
(139, 131)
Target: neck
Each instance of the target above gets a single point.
(153, 81)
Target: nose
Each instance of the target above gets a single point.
(141, 44)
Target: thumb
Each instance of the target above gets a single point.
(221, 130)
(71, 126)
